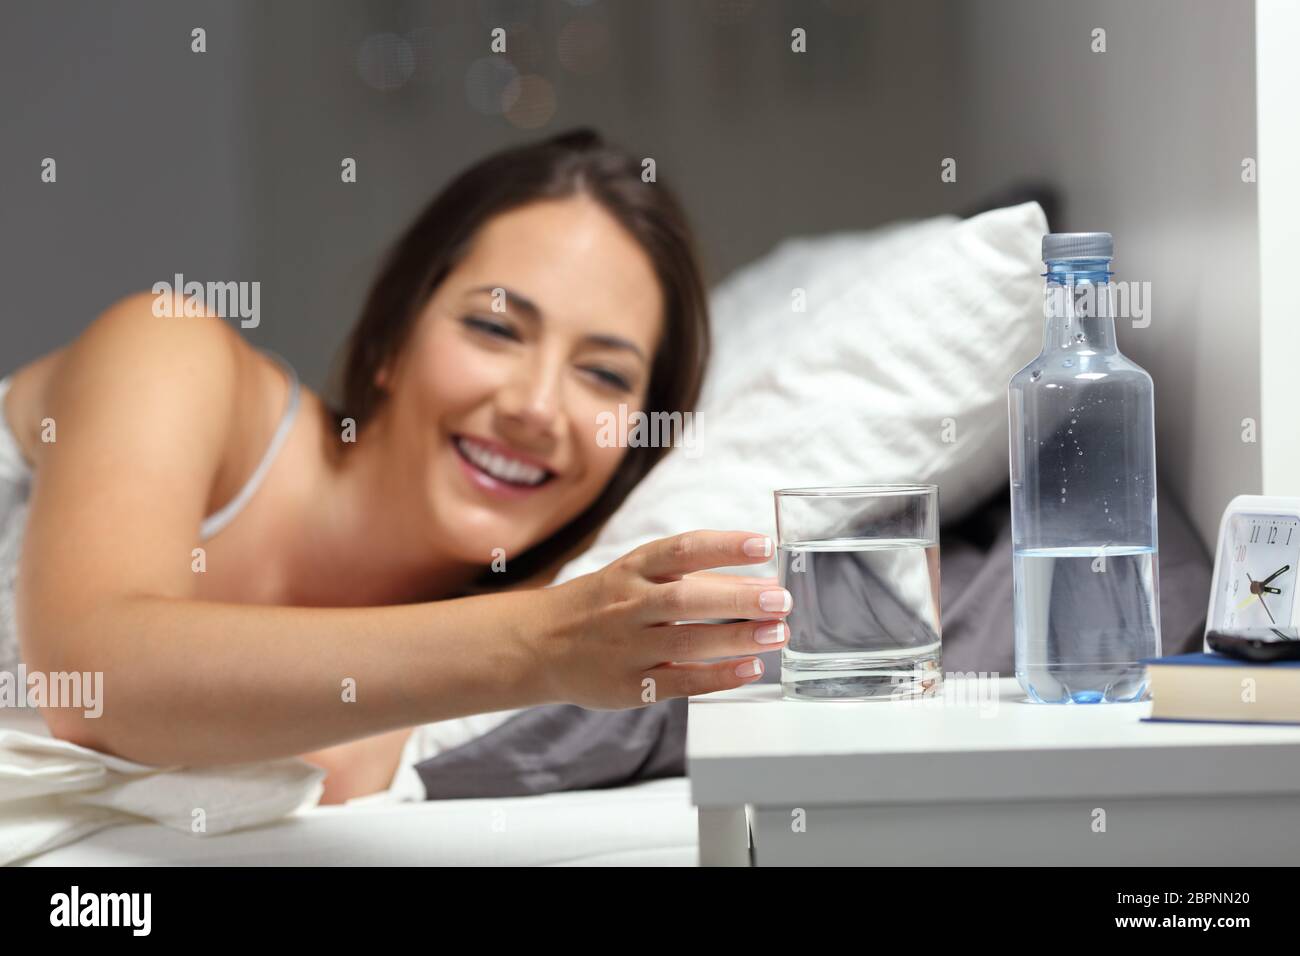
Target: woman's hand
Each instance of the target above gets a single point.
(613, 641)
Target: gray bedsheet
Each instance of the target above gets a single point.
(564, 747)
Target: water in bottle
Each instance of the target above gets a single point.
(1083, 493)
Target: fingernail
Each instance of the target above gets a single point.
(777, 600)
(772, 633)
(758, 547)
(749, 668)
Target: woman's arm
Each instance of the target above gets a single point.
(199, 682)
(142, 405)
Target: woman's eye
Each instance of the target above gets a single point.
(612, 379)
(490, 327)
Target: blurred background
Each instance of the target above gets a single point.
(225, 165)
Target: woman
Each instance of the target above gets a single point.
(319, 608)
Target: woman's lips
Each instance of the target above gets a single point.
(490, 483)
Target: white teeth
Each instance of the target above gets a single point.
(498, 466)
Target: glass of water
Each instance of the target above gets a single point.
(862, 564)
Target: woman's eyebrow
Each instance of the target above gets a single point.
(530, 309)
(614, 342)
(523, 304)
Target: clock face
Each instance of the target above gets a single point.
(1257, 571)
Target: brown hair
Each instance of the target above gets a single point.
(577, 162)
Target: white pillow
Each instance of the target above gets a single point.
(757, 301)
(906, 328)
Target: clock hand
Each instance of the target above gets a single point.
(1266, 610)
(1264, 590)
(1281, 570)
(1254, 591)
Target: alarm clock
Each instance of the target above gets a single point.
(1255, 565)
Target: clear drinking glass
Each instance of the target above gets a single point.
(862, 564)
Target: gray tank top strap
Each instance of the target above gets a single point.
(226, 514)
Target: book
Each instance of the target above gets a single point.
(1215, 687)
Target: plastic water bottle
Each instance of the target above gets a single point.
(1083, 492)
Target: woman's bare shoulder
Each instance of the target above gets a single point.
(127, 347)
(133, 327)
(139, 408)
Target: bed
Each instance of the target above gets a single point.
(646, 824)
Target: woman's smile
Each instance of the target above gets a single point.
(497, 469)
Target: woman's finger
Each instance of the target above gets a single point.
(705, 642)
(690, 680)
(669, 558)
(769, 580)
(696, 597)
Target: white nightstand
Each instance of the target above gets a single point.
(957, 779)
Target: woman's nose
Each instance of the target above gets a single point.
(532, 398)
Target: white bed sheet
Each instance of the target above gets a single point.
(648, 824)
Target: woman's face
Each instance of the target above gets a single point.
(551, 318)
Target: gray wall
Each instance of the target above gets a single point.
(225, 165)
(760, 143)
(152, 151)
(1147, 140)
